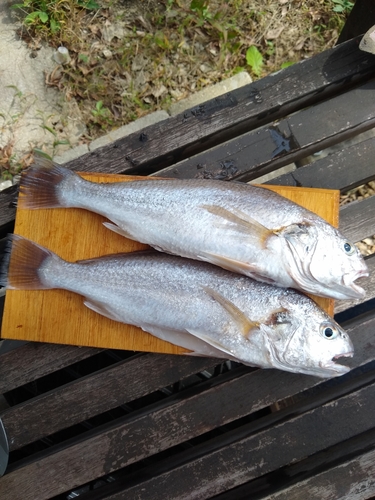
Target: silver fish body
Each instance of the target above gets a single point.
(239, 227)
(196, 305)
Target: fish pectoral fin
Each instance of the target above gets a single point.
(100, 309)
(234, 265)
(118, 230)
(242, 222)
(245, 324)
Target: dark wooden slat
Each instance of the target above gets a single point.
(292, 138)
(135, 438)
(310, 467)
(243, 109)
(343, 169)
(179, 418)
(254, 455)
(95, 394)
(357, 219)
(7, 207)
(354, 480)
(367, 283)
(34, 360)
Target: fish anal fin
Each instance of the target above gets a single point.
(212, 342)
(118, 230)
(245, 324)
(100, 309)
(196, 345)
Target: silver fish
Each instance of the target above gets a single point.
(193, 304)
(239, 227)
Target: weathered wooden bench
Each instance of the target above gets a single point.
(102, 424)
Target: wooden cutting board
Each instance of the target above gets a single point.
(59, 316)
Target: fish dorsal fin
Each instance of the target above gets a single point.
(242, 221)
(244, 323)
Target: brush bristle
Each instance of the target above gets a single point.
(23, 258)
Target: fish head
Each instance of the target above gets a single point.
(306, 340)
(323, 262)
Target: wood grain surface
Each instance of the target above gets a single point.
(59, 316)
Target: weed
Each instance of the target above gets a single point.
(342, 6)
(47, 17)
(102, 115)
(254, 59)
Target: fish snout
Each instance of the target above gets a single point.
(356, 292)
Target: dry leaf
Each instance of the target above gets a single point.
(272, 34)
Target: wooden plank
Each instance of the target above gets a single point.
(196, 411)
(134, 438)
(65, 320)
(357, 219)
(34, 360)
(294, 137)
(344, 169)
(354, 479)
(96, 393)
(252, 455)
(296, 473)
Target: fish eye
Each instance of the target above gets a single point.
(349, 248)
(329, 332)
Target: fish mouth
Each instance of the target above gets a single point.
(332, 366)
(349, 279)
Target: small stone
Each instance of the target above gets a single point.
(205, 68)
(107, 53)
(5, 185)
(61, 56)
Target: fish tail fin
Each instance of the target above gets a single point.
(19, 269)
(42, 184)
